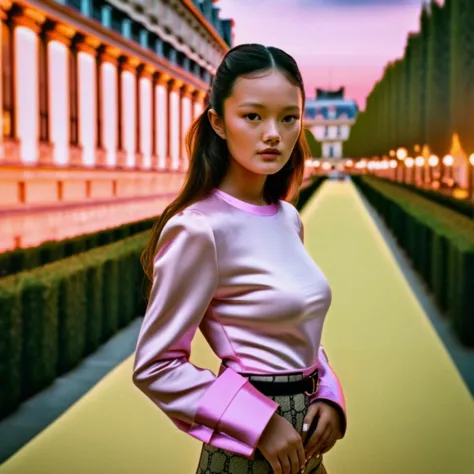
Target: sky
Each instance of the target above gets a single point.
(335, 42)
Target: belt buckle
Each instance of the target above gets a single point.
(315, 384)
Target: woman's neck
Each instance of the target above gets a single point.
(247, 192)
(244, 185)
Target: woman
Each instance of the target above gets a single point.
(227, 257)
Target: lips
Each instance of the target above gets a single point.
(269, 153)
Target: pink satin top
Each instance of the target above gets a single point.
(241, 274)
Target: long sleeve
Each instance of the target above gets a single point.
(330, 389)
(225, 411)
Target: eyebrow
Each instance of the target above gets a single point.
(261, 106)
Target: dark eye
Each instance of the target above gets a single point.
(290, 118)
(252, 117)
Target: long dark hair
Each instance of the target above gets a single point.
(209, 156)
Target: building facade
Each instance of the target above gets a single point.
(330, 116)
(96, 99)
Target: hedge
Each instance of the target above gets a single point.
(462, 206)
(19, 260)
(439, 242)
(54, 316)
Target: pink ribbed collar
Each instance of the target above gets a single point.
(266, 210)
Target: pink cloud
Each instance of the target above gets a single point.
(334, 46)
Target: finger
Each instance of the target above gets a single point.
(329, 444)
(316, 449)
(301, 456)
(275, 464)
(315, 437)
(294, 462)
(311, 416)
(285, 464)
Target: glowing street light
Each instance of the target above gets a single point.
(433, 161)
(401, 153)
(419, 161)
(448, 160)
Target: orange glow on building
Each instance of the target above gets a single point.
(95, 108)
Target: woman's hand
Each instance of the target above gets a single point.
(282, 446)
(328, 429)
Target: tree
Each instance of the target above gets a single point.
(438, 121)
(462, 72)
(314, 145)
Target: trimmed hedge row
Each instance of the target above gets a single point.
(306, 193)
(463, 206)
(440, 243)
(19, 260)
(54, 316)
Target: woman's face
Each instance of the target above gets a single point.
(261, 122)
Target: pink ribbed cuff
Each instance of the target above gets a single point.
(231, 413)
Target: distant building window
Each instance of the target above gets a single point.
(136, 27)
(167, 50)
(180, 59)
(117, 18)
(97, 10)
(76, 4)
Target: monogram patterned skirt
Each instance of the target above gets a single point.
(292, 407)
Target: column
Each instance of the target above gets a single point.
(162, 121)
(198, 103)
(174, 123)
(108, 79)
(58, 95)
(25, 37)
(129, 114)
(144, 117)
(87, 102)
(9, 143)
(186, 120)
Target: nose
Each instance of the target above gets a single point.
(272, 134)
